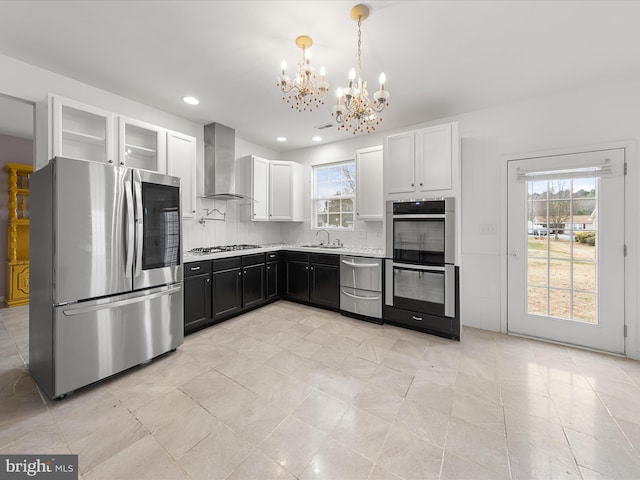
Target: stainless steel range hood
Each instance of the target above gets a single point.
(220, 162)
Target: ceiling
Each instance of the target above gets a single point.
(441, 58)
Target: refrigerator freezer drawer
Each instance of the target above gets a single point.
(362, 273)
(96, 339)
(361, 302)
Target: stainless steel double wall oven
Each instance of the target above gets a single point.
(421, 276)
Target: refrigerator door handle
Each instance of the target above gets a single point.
(128, 301)
(130, 222)
(139, 226)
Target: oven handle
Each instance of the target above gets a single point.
(413, 266)
(420, 216)
(357, 297)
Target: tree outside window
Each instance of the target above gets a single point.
(334, 195)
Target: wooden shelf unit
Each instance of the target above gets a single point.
(18, 235)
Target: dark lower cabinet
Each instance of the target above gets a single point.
(227, 288)
(297, 280)
(197, 296)
(215, 290)
(324, 289)
(313, 278)
(253, 280)
(274, 276)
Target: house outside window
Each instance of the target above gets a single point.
(334, 191)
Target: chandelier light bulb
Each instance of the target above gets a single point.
(322, 73)
(307, 55)
(383, 79)
(283, 65)
(352, 74)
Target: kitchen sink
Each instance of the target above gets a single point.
(320, 245)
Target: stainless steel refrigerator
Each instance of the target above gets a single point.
(106, 271)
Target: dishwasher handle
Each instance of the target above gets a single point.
(365, 265)
(358, 297)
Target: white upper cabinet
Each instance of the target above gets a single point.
(369, 170)
(89, 133)
(274, 187)
(285, 191)
(421, 161)
(80, 131)
(141, 145)
(400, 163)
(181, 162)
(434, 161)
(252, 180)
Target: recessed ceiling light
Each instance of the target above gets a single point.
(281, 139)
(317, 139)
(190, 100)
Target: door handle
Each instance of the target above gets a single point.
(139, 226)
(419, 319)
(130, 229)
(513, 254)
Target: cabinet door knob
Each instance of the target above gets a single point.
(306, 268)
(121, 163)
(268, 268)
(413, 184)
(110, 161)
(239, 273)
(208, 280)
(420, 183)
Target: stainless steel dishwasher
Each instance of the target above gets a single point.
(361, 288)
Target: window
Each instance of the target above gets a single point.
(334, 190)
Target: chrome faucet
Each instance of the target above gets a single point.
(328, 236)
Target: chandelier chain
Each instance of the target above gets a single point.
(359, 50)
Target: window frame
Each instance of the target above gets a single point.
(315, 198)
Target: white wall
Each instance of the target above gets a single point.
(571, 120)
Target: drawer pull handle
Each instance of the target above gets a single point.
(419, 319)
(193, 269)
(358, 297)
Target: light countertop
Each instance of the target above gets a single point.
(355, 250)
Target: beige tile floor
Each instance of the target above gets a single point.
(289, 391)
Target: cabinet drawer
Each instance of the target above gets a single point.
(226, 264)
(325, 259)
(255, 259)
(297, 257)
(361, 272)
(197, 268)
(273, 256)
(442, 326)
(361, 302)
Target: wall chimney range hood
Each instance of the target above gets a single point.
(220, 162)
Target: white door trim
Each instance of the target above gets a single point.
(632, 214)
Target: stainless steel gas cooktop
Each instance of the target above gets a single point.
(221, 248)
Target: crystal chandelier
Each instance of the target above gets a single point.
(303, 93)
(354, 111)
